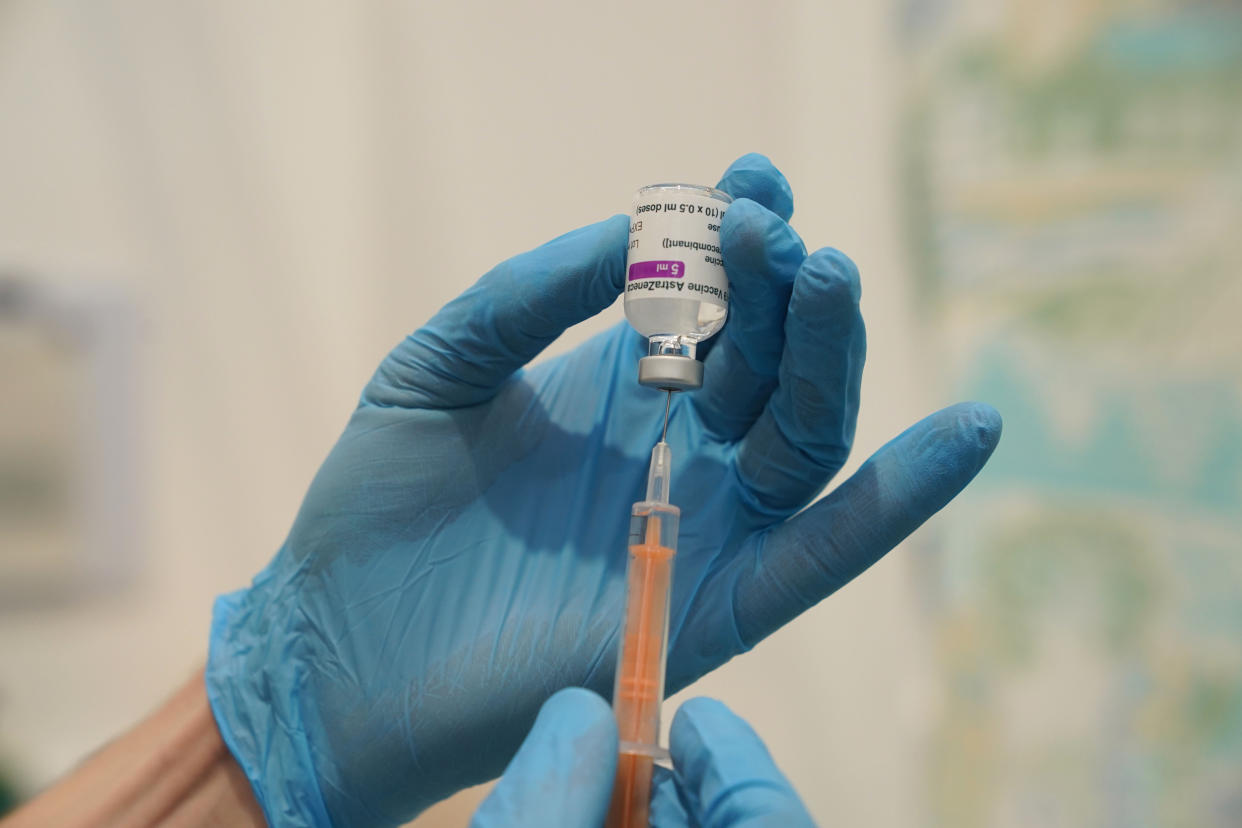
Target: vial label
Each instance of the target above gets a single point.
(675, 248)
(656, 269)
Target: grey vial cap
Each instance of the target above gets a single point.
(670, 372)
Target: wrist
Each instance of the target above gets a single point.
(172, 767)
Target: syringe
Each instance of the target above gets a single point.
(639, 688)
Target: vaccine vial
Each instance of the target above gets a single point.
(676, 292)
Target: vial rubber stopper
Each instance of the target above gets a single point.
(670, 372)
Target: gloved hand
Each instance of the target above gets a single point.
(563, 773)
(460, 554)
(724, 775)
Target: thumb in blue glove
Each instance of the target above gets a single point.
(723, 776)
(562, 774)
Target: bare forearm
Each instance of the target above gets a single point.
(171, 769)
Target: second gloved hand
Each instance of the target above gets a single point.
(562, 775)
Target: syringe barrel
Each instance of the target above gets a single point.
(639, 689)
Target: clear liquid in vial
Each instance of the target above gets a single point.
(689, 319)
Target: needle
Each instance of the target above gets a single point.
(667, 406)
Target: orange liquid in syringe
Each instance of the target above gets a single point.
(640, 682)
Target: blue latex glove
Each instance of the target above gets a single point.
(562, 775)
(563, 772)
(460, 554)
(723, 775)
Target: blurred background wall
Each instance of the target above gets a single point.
(1072, 181)
(215, 219)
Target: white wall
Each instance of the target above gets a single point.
(288, 188)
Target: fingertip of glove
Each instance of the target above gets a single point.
(954, 444)
(703, 705)
(746, 219)
(981, 422)
(581, 710)
(598, 246)
(753, 237)
(608, 234)
(577, 698)
(697, 716)
(834, 273)
(754, 176)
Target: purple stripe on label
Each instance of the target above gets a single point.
(657, 270)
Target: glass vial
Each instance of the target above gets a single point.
(676, 292)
